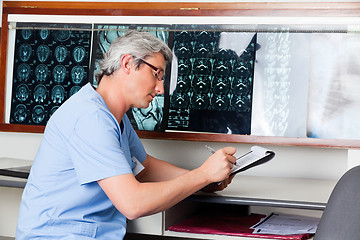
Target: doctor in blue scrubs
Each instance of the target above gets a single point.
(91, 171)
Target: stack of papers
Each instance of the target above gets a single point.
(285, 224)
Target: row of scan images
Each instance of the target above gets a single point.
(221, 79)
(51, 65)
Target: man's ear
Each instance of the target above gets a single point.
(127, 63)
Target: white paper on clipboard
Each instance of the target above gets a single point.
(258, 155)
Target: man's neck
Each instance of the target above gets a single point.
(113, 98)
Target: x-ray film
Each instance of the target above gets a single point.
(334, 97)
(281, 84)
(211, 80)
(151, 118)
(51, 64)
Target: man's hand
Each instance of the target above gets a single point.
(214, 187)
(217, 167)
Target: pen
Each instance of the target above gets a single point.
(210, 149)
(213, 151)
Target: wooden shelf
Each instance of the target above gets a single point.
(252, 139)
(333, 9)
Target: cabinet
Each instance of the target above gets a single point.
(244, 193)
(305, 194)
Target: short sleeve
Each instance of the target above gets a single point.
(95, 148)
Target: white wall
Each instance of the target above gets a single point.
(14, 145)
(298, 162)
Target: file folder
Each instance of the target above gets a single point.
(230, 225)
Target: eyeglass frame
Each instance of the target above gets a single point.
(157, 70)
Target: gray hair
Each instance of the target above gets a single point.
(138, 44)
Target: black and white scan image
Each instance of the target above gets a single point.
(211, 80)
(281, 84)
(51, 63)
(334, 97)
(151, 118)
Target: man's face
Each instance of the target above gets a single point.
(146, 82)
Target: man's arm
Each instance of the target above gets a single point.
(135, 199)
(157, 170)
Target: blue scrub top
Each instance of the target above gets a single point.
(82, 143)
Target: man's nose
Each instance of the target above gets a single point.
(159, 87)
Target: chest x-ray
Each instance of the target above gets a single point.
(334, 97)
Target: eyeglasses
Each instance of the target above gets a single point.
(157, 70)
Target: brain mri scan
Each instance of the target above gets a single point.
(49, 66)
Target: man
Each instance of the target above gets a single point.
(87, 176)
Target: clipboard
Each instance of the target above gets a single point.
(256, 156)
